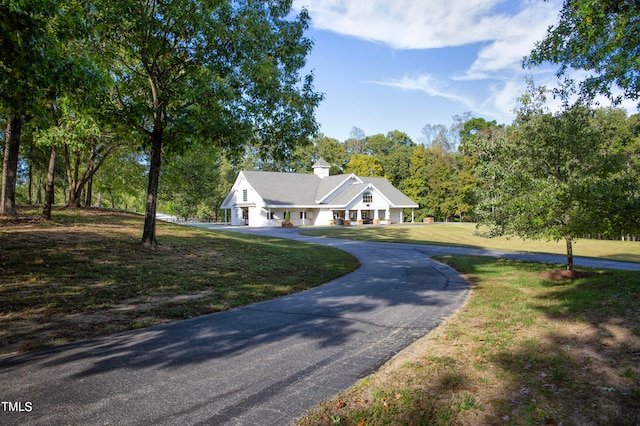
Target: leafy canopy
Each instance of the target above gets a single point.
(601, 37)
(550, 175)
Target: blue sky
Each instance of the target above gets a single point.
(402, 64)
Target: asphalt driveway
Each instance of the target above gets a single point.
(263, 364)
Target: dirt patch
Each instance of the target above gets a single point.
(559, 275)
(21, 220)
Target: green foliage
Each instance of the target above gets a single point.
(233, 77)
(393, 151)
(38, 58)
(552, 176)
(120, 183)
(222, 73)
(442, 183)
(599, 37)
(364, 165)
(320, 146)
(192, 184)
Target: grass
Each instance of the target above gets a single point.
(524, 350)
(84, 274)
(466, 235)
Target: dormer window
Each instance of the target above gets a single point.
(367, 197)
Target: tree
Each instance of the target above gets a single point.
(473, 126)
(450, 184)
(321, 146)
(416, 185)
(38, 62)
(393, 151)
(601, 37)
(356, 144)
(436, 135)
(120, 182)
(364, 165)
(192, 182)
(548, 176)
(224, 73)
(623, 140)
(85, 145)
(446, 138)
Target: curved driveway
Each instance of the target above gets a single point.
(265, 364)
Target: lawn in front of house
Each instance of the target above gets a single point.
(526, 349)
(84, 274)
(468, 235)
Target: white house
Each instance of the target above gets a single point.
(264, 199)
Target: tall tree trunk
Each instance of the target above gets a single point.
(30, 183)
(569, 254)
(89, 194)
(39, 190)
(149, 231)
(72, 178)
(82, 183)
(10, 166)
(49, 194)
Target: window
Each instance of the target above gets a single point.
(367, 197)
(244, 195)
(270, 215)
(303, 215)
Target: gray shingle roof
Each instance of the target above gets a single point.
(321, 163)
(303, 189)
(284, 188)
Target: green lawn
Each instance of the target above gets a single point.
(467, 235)
(526, 349)
(84, 274)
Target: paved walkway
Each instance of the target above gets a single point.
(264, 364)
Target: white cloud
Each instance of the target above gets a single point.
(408, 24)
(427, 84)
(507, 52)
(501, 31)
(416, 24)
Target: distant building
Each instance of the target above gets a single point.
(265, 199)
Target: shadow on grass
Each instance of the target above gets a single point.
(523, 350)
(63, 283)
(570, 348)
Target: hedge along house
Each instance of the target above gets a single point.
(264, 199)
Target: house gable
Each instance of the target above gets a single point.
(333, 186)
(242, 194)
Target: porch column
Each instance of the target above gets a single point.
(412, 218)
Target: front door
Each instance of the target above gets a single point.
(245, 215)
